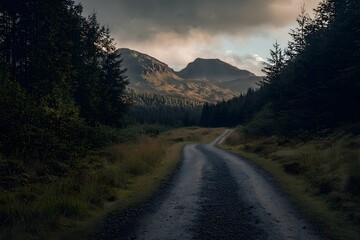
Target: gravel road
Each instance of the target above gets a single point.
(212, 194)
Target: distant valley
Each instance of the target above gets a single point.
(204, 80)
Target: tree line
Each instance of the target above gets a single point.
(60, 79)
(150, 108)
(313, 83)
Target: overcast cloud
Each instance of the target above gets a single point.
(177, 31)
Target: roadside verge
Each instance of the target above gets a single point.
(315, 173)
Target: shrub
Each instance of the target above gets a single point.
(235, 138)
(46, 128)
(101, 135)
(262, 123)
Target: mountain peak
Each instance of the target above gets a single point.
(207, 59)
(213, 70)
(148, 74)
(140, 64)
(133, 54)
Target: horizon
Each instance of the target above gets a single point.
(189, 62)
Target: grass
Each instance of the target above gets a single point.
(321, 175)
(37, 202)
(194, 134)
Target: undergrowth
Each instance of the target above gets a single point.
(33, 202)
(326, 166)
(48, 199)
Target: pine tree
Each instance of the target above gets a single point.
(272, 68)
(113, 81)
(324, 15)
(299, 34)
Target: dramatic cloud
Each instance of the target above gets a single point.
(251, 62)
(143, 19)
(180, 29)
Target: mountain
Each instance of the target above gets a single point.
(213, 70)
(145, 72)
(148, 74)
(208, 80)
(221, 74)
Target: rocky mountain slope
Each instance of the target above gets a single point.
(212, 70)
(220, 74)
(203, 80)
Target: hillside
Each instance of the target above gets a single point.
(215, 80)
(212, 70)
(145, 72)
(151, 108)
(220, 74)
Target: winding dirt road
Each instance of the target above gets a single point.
(213, 195)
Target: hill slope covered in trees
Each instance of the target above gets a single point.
(150, 108)
(313, 83)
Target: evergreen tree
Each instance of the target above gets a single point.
(272, 68)
(114, 101)
(317, 85)
(299, 34)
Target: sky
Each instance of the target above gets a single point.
(240, 32)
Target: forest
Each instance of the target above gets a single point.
(151, 108)
(312, 84)
(61, 81)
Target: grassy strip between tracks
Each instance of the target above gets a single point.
(320, 174)
(73, 204)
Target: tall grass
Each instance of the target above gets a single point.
(40, 202)
(138, 158)
(324, 169)
(330, 164)
(236, 138)
(36, 209)
(30, 213)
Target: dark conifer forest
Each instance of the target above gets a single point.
(60, 79)
(150, 108)
(311, 84)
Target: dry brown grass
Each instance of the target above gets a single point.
(193, 134)
(140, 157)
(72, 206)
(316, 173)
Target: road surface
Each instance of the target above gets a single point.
(213, 194)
